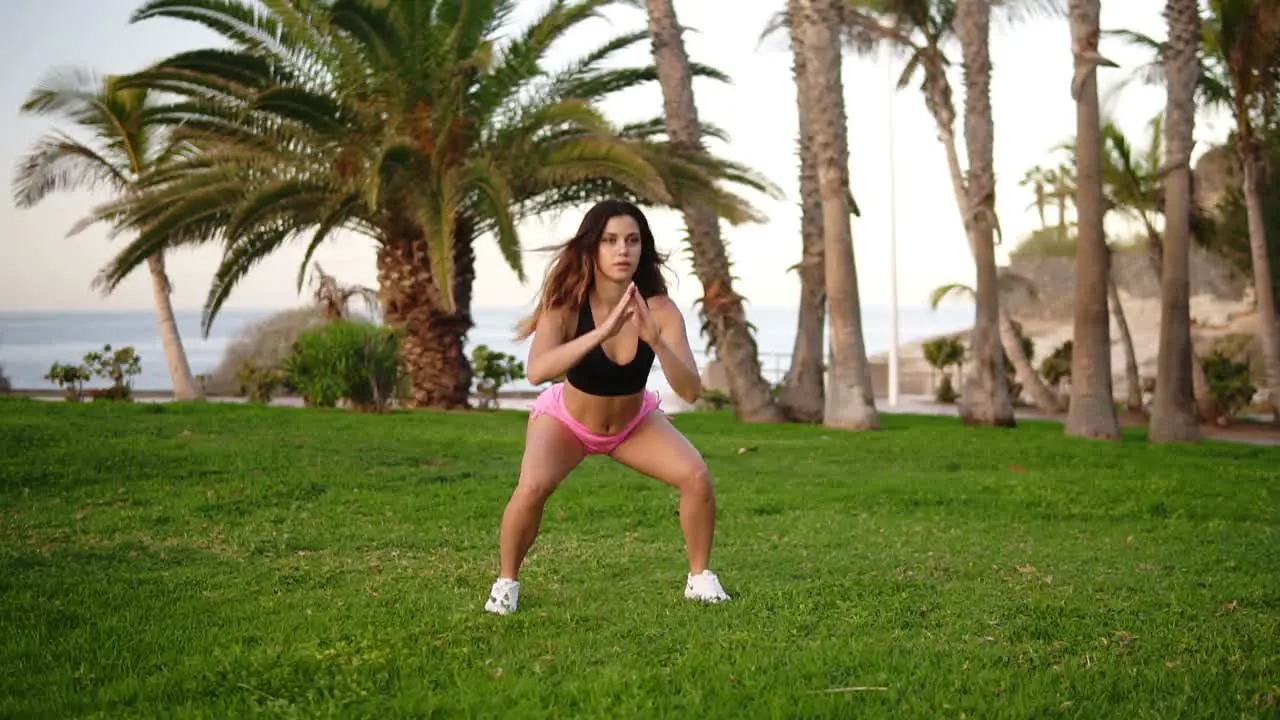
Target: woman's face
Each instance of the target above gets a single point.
(618, 255)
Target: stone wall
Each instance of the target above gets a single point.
(1055, 282)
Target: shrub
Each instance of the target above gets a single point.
(118, 367)
(941, 353)
(1057, 367)
(350, 360)
(259, 384)
(263, 346)
(5, 385)
(1227, 369)
(491, 370)
(71, 378)
(1010, 372)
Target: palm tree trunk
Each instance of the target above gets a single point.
(184, 384)
(1205, 408)
(1268, 329)
(850, 401)
(937, 99)
(1173, 410)
(1132, 380)
(1043, 398)
(433, 339)
(735, 347)
(1092, 411)
(991, 405)
(801, 397)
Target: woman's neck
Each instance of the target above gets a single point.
(609, 291)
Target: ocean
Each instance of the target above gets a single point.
(31, 341)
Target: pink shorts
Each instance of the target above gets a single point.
(551, 402)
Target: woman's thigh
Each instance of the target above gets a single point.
(551, 452)
(657, 449)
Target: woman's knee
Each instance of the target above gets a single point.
(533, 490)
(697, 481)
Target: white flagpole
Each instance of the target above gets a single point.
(893, 250)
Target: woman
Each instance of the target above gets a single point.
(602, 319)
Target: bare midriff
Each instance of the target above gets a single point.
(602, 415)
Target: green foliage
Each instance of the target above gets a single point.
(351, 360)
(117, 367)
(1010, 372)
(942, 353)
(71, 378)
(397, 120)
(714, 400)
(258, 383)
(1057, 367)
(1229, 382)
(491, 370)
(266, 343)
(1045, 243)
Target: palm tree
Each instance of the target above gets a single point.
(1092, 412)
(1238, 69)
(723, 308)
(991, 406)
(124, 143)
(333, 297)
(410, 123)
(921, 30)
(802, 393)
(1173, 416)
(849, 401)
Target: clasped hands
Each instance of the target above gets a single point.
(632, 308)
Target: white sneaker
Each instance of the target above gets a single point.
(705, 587)
(503, 597)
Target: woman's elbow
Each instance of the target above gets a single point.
(691, 391)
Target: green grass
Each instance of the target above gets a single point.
(225, 561)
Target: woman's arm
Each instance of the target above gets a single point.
(550, 356)
(672, 348)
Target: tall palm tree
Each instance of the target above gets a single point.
(1173, 412)
(802, 393)
(1173, 416)
(849, 400)
(726, 318)
(124, 142)
(992, 405)
(412, 123)
(1092, 412)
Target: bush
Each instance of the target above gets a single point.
(941, 353)
(118, 367)
(350, 360)
(1057, 367)
(491, 370)
(259, 384)
(259, 348)
(71, 378)
(1010, 372)
(5, 385)
(1229, 383)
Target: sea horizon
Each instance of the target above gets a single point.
(32, 340)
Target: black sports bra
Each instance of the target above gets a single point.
(596, 374)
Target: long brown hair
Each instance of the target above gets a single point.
(572, 272)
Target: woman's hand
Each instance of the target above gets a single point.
(621, 313)
(646, 327)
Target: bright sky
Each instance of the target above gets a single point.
(42, 269)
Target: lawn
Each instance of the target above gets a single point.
(223, 560)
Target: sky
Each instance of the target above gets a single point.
(43, 269)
